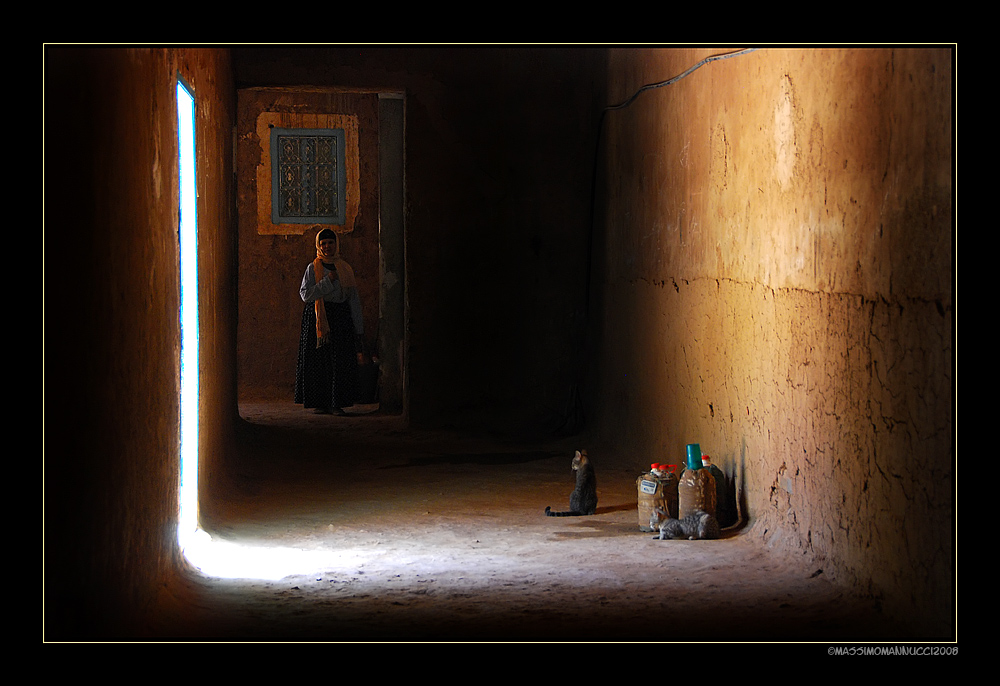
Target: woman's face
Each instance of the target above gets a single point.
(328, 246)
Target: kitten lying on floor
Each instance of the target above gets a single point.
(696, 526)
(583, 499)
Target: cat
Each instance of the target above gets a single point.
(696, 526)
(583, 499)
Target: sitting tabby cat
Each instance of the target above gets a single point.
(583, 499)
(696, 526)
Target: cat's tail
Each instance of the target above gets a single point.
(568, 513)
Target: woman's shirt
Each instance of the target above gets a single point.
(332, 292)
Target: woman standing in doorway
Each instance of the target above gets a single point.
(332, 338)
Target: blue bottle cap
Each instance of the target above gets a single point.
(694, 456)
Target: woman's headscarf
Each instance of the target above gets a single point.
(343, 271)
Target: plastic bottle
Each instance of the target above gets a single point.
(696, 489)
(656, 488)
(721, 509)
(671, 480)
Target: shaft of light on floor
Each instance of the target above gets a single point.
(212, 557)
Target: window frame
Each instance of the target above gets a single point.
(339, 216)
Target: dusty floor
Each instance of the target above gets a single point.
(442, 537)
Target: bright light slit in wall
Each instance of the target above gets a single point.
(188, 237)
(213, 557)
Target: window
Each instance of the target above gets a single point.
(308, 176)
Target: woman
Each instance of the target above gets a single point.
(332, 338)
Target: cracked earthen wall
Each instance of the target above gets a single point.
(773, 280)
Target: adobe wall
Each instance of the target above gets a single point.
(112, 332)
(774, 280)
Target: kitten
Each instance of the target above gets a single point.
(583, 499)
(696, 526)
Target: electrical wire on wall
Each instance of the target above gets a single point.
(623, 105)
(661, 84)
(574, 418)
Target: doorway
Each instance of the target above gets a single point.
(272, 257)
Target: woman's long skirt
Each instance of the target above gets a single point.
(327, 377)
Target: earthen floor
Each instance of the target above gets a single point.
(441, 537)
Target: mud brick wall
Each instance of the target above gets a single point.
(774, 280)
(111, 419)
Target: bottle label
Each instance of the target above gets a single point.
(648, 487)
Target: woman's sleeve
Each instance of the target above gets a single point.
(310, 291)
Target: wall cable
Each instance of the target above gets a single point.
(661, 84)
(573, 419)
